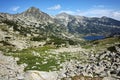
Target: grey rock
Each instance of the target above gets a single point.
(9, 70)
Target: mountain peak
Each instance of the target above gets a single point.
(63, 14)
(33, 10)
(33, 7)
(104, 17)
(34, 13)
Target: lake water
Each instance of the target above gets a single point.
(93, 37)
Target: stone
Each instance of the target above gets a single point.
(108, 78)
(9, 70)
(40, 75)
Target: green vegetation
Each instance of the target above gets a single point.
(58, 41)
(41, 59)
(6, 46)
(11, 23)
(16, 27)
(38, 38)
(101, 44)
(35, 58)
(4, 28)
(112, 48)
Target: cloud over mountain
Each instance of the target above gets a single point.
(55, 7)
(95, 11)
(15, 8)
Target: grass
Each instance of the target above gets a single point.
(41, 59)
(58, 41)
(98, 45)
(38, 38)
(31, 56)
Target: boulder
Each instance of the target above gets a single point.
(40, 75)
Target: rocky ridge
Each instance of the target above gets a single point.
(88, 26)
(34, 19)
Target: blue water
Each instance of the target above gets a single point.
(93, 37)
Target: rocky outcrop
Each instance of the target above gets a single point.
(105, 65)
(40, 75)
(9, 70)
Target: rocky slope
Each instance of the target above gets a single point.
(35, 37)
(31, 22)
(34, 25)
(89, 26)
(23, 30)
(35, 15)
(36, 21)
(104, 66)
(9, 70)
(100, 66)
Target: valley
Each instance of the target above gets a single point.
(36, 46)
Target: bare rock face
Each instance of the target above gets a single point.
(40, 75)
(9, 70)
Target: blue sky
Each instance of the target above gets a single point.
(90, 8)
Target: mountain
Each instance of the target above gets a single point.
(19, 31)
(31, 20)
(37, 41)
(35, 14)
(35, 22)
(89, 26)
(64, 18)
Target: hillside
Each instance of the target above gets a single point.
(89, 26)
(41, 46)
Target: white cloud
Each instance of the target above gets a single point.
(15, 8)
(98, 11)
(56, 7)
(101, 12)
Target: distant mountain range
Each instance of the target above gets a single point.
(89, 26)
(34, 21)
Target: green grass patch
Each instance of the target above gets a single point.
(40, 58)
(98, 45)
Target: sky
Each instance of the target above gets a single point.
(88, 8)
